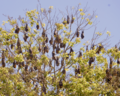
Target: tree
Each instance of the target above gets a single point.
(39, 62)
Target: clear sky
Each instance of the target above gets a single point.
(108, 12)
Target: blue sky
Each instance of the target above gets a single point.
(107, 11)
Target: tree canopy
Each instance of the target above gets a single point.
(39, 56)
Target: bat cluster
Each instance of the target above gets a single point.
(3, 59)
(44, 89)
(19, 46)
(56, 43)
(113, 74)
(37, 26)
(99, 49)
(80, 54)
(60, 83)
(92, 59)
(68, 21)
(77, 71)
(78, 34)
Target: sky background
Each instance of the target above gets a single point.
(107, 11)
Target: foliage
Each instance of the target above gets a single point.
(39, 63)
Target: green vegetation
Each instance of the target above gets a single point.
(39, 63)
